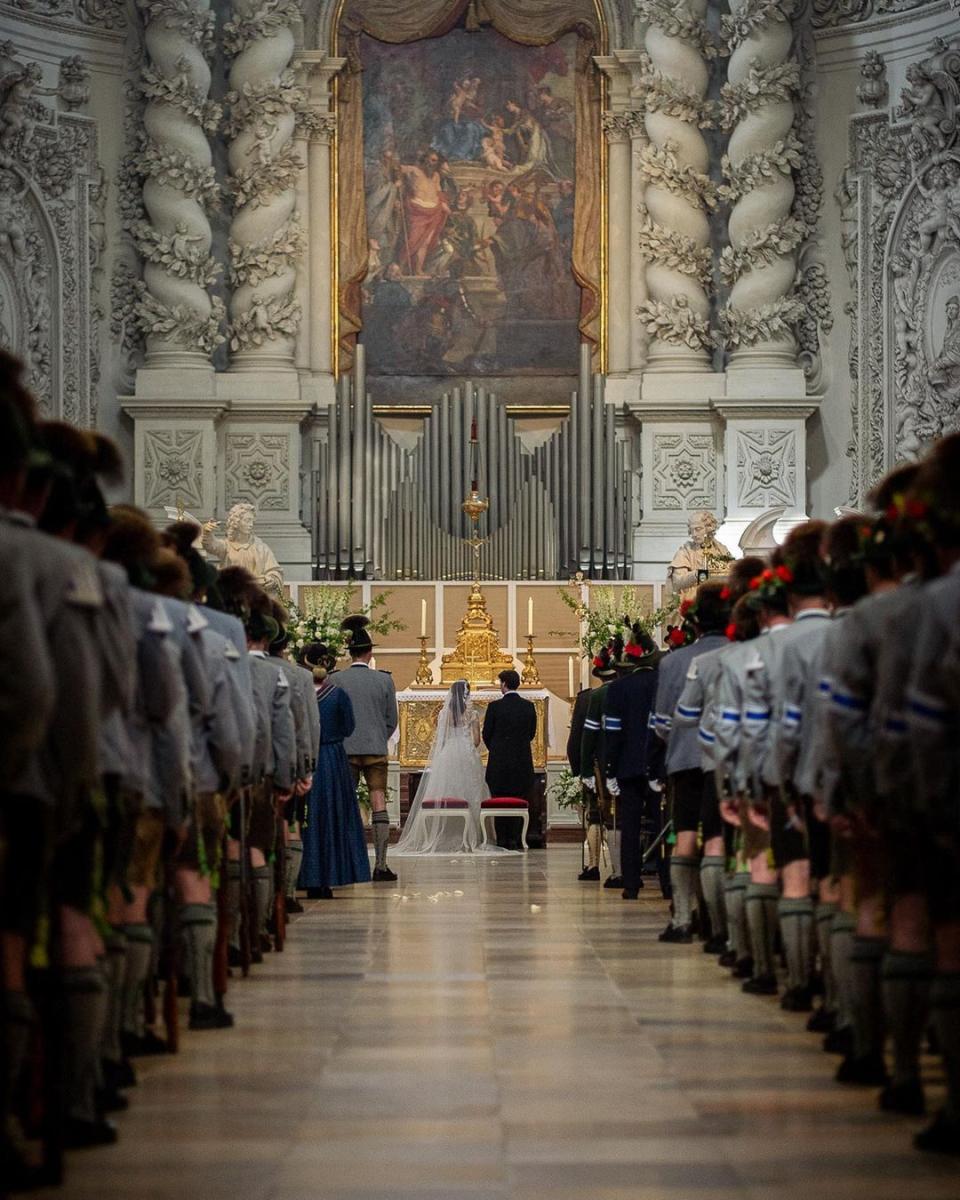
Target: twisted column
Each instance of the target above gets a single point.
(266, 242)
(676, 233)
(763, 153)
(176, 313)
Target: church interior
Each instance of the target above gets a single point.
(474, 340)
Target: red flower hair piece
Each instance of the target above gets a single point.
(784, 574)
(632, 650)
(676, 637)
(731, 632)
(598, 661)
(685, 607)
(725, 592)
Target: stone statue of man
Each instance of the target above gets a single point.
(242, 548)
(699, 557)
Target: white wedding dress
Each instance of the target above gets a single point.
(444, 817)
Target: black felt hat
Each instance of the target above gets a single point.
(360, 641)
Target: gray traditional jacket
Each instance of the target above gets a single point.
(374, 700)
(683, 743)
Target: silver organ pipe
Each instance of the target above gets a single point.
(383, 511)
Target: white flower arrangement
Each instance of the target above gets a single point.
(327, 608)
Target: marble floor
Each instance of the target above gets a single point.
(494, 1029)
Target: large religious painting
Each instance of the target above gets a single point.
(469, 182)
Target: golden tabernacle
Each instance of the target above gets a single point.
(477, 656)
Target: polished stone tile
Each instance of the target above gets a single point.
(497, 1031)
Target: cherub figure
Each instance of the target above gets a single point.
(16, 107)
(13, 234)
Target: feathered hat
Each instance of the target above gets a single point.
(359, 641)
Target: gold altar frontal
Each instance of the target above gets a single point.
(420, 709)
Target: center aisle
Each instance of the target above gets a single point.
(493, 1028)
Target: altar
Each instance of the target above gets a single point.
(420, 707)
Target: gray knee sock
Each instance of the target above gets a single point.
(796, 923)
(381, 838)
(711, 884)
(945, 1008)
(293, 860)
(85, 1010)
(262, 897)
(761, 906)
(905, 985)
(613, 848)
(865, 957)
(737, 914)
(683, 884)
(199, 925)
(823, 915)
(233, 903)
(114, 971)
(137, 967)
(841, 946)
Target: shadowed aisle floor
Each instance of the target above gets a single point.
(496, 1029)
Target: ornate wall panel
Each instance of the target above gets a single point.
(51, 235)
(900, 211)
(258, 470)
(767, 468)
(684, 471)
(173, 468)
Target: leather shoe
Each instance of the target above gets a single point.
(715, 945)
(743, 969)
(320, 893)
(384, 875)
(140, 1047)
(209, 1016)
(78, 1135)
(630, 894)
(821, 1021)
(904, 1098)
(110, 1100)
(589, 875)
(868, 1070)
(942, 1136)
(796, 1000)
(761, 985)
(293, 905)
(680, 935)
(727, 959)
(615, 881)
(839, 1041)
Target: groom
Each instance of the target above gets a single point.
(509, 727)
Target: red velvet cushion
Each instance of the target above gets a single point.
(504, 802)
(445, 804)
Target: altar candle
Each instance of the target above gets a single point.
(423, 618)
(530, 617)
(570, 675)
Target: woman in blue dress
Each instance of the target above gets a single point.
(334, 845)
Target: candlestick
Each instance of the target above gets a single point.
(570, 676)
(423, 618)
(530, 617)
(424, 676)
(530, 675)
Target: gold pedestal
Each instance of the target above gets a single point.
(530, 675)
(424, 676)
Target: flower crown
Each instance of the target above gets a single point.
(771, 582)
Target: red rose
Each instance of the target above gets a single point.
(731, 632)
(685, 607)
(632, 650)
(676, 637)
(724, 593)
(784, 574)
(756, 582)
(598, 661)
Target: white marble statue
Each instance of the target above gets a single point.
(699, 557)
(242, 548)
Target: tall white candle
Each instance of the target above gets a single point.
(570, 675)
(423, 618)
(530, 617)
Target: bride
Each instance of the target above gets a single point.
(445, 815)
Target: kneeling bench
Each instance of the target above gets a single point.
(451, 808)
(505, 806)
